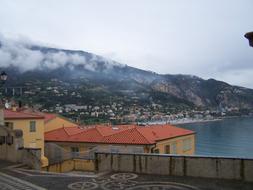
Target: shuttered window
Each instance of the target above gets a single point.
(32, 126)
(174, 148)
(187, 144)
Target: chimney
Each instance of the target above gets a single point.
(13, 105)
(19, 104)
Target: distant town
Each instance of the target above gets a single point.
(118, 110)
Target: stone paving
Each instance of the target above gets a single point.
(13, 177)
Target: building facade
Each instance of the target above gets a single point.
(32, 126)
(162, 139)
(54, 121)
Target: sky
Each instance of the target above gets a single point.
(196, 37)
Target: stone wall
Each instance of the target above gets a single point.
(176, 165)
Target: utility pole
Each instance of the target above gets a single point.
(3, 78)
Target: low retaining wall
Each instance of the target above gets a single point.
(176, 165)
(32, 158)
(71, 165)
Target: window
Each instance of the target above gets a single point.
(174, 148)
(171, 148)
(32, 126)
(156, 151)
(167, 149)
(74, 149)
(186, 144)
(9, 125)
(2, 140)
(9, 140)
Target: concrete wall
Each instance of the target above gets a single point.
(176, 165)
(10, 151)
(84, 165)
(32, 158)
(71, 165)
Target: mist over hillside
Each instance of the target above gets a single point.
(101, 81)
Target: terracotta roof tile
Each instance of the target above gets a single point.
(120, 134)
(9, 114)
(129, 136)
(57, 135)
(89, 135)
(49, 116)
(106, 130)
(160, 132)
(73, 130)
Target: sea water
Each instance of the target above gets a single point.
(228, 137)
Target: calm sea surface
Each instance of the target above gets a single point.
(229, 137)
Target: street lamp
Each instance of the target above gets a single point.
(249, 36)
(3, 78)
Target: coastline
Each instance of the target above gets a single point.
(190, 120)
(195, 121)
(183, 121)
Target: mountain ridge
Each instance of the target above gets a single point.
(119, 81)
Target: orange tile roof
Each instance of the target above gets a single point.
(88, 135)
(130, 136)
(73, 130)
(49, 116)
(161, 132)
(57, 135)
(9, 114)
(120, 134)
(106, 130)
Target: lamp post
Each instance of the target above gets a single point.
(249, 36)
(3, 78)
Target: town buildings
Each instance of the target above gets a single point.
(39, 129)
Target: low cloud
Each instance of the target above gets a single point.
(20, 54)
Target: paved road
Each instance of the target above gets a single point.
(4, 164)
(8, 182)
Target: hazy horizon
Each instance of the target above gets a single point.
(199, 38)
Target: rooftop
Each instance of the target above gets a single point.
(120, 134)
(49, 116)
(9, 114)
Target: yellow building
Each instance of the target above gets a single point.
(162, 139)
(32, 126)
(54, 121)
